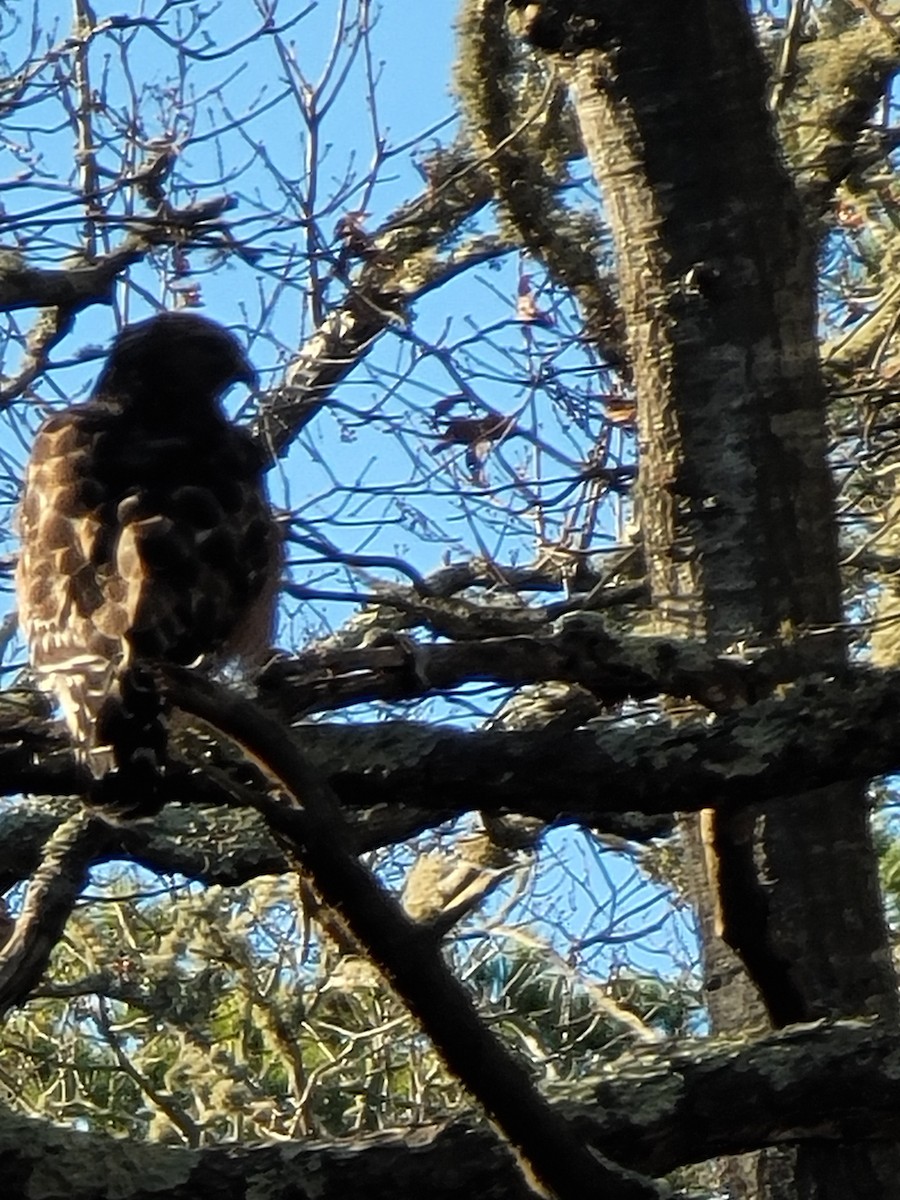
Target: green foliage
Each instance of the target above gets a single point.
(197, 1016)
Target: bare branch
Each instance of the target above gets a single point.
(406, 264)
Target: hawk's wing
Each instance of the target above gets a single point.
(147, 547)
(72, 610)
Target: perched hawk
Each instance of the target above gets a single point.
(146, 537)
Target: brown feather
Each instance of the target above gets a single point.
(146, 532)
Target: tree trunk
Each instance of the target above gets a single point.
(717, 270)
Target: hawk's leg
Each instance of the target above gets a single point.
(132, 721)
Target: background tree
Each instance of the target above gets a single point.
(580, 415)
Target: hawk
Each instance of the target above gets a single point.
(146, 538)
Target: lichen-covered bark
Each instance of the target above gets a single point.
(525, 155)
(656, 1110)
(841, 75)
(717, 274)
(397, 777)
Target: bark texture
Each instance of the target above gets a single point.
(655, 1111)
(717, 271)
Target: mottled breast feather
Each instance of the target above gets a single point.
(146, 537)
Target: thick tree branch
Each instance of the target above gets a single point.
(842, 76)
(821, 731)
(72, 289)
(526, 157)
(580, 648)
(656, 1110)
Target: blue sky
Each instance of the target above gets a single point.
(370, 468)
(369, 471)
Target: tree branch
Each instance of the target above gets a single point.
(62, 294)
(405, 264)
(49, 899)
(656, 1110)
(819, 732)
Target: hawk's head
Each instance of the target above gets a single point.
(174, 355)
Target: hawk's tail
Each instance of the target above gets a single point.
(117, 719)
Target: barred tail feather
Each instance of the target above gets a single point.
(81, 684)
(117, 722)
